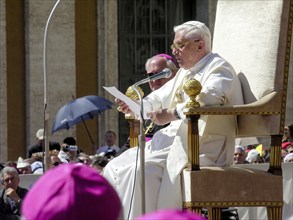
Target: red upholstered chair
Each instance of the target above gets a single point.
(255, 37)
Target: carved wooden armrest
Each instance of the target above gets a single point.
(264, 106)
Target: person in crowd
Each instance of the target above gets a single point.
(55, 161)
(284, 149)
(69, 151)
(284, 152)
(290, 148)
(84, 159)
(38, 146)
(69, 141)
(165, 154)
(254, 157)
(71, 192)
(109, 154)
(36, 163)
(11, 164)
(37, 167)
(266, 155)
(288, 158)
(285, 145)
(11, 194)
(110, 143)
(99, 162)
(239, 155)
(23, 166)
(288, 133)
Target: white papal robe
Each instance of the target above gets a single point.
(166, 153)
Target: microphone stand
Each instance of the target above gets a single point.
(46, 113)
(141, 138)
(141, 144)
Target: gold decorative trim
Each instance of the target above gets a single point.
(188, 205)
(286, 67)
(195, 112)
(130, 117)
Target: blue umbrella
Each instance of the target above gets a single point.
(78, 110)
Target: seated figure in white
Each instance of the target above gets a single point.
(166, 153)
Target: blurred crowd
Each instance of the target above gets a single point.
(257, 153)
(73, 187)
(69, 191)
(68, 154)
(16, 201)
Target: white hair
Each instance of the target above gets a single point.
(6, 170)
(195, 29)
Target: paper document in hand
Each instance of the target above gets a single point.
(132, 104)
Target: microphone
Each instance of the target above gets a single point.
(166, 73)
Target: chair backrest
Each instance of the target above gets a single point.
(255, 36)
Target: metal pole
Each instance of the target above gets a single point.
(142, 166)
(46, 113)
(141, 145)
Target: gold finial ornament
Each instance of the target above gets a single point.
(134, 124)
(130, 93)
(192, 88)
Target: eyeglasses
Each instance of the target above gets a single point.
(151, 74)
(179, 46)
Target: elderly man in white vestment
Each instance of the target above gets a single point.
(166, 154)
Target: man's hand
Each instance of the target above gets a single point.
(12, 194)
(162, 117)
(123, 107)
